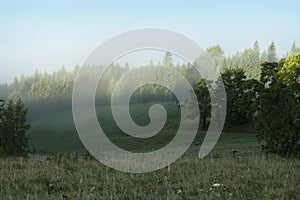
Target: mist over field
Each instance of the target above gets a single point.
(149, 100)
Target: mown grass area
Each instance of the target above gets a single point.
(57, 133)
(80, 177)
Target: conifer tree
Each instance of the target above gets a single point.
(1, 120)
(14, 127)
(294, 50)
(272, 55)
(168, 60)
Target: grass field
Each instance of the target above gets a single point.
(57, 133)
(70, 173)
(239, 177)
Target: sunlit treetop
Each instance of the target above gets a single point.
(289, 69)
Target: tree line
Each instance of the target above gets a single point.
(260, 89)
(44, 86)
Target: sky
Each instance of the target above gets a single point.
(46, 35)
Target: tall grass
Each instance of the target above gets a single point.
(69, 176)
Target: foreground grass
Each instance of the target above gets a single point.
(80, 177)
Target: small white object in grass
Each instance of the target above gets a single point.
(217, 185)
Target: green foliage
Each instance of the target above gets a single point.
(247, 103)
(275, 95)
(272, 55)
(239, 97)
(2, 104)
(13, 128)
(190, 73)
(203, 96)
(233, 79)
(168, 60)
(278, 106)
(249, 60)
(55, 89)
(53, 92)
(264, 56)
(294, 50)
(216, 53)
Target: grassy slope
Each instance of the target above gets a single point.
(57, 133)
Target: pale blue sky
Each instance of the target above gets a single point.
(49, 34)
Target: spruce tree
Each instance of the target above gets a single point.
(1, 121)
(216, 53)
(294, 50)
(255, 72)
(14, 127)
(272, 55)
(168, 60)
(264, 56)
(8, 129)
(21, 127)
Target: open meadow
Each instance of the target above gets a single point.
(62, 169)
